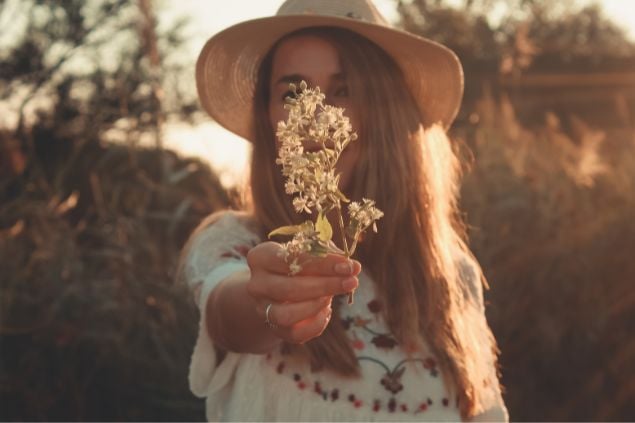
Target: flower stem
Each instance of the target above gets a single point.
(346, 251)
(340, 220)
(354, 246)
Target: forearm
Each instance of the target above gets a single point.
(232, 320)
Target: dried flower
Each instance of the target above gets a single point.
(312, 178)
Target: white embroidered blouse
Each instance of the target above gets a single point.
(278, 387)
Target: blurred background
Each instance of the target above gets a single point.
(107, 163)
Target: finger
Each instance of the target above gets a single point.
(288, 314)
(303, 288)
(307, 329)
(330, 265)
(268, 256)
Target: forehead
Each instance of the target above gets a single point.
(306, 55)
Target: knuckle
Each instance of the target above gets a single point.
(252, 288)
(332, 285)
(287, 291)
(282, 317)
(252, 256)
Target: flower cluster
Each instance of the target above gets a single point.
(364, 215)
(305, 240)
(312, 140)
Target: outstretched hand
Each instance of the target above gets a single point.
(300, 304)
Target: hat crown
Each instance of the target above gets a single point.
(363, 10)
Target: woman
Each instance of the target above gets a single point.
(415, 345)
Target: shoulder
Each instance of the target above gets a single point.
(228, 219)
(226, 225)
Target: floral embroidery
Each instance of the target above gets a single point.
(392, 377)
(384, 341)
(361, 323)
(392, 380)
(430, 364)
(422, 407)
(392, 405)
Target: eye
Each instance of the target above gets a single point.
(289, 93)
(341, 91)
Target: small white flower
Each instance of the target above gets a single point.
(294, 267)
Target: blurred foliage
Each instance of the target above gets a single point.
(501, 41)
(512, 36)
(551, 220)
(92, 326)
(549, 199)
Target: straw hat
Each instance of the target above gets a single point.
(228, 64)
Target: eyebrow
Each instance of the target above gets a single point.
(296, 77)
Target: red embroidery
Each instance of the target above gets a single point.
(243, 250)
(358, 344)
(431, 365)
(375, 306)
(384, 341)
(360, 323)
(392, 381)
(376, 406)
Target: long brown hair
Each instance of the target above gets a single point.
(424, 274)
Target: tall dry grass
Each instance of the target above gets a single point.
(92, 325)
(552, 220)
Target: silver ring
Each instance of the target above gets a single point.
(267, 320)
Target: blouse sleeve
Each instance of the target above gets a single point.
(215, 252)
(495, 409)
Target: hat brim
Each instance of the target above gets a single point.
(227, 67)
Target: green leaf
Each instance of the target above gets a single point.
(323, 227)
(318, 250)
(287, 230)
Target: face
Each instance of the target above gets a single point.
(315, 61)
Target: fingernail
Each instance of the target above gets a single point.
(344, 268)
(349, 283)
